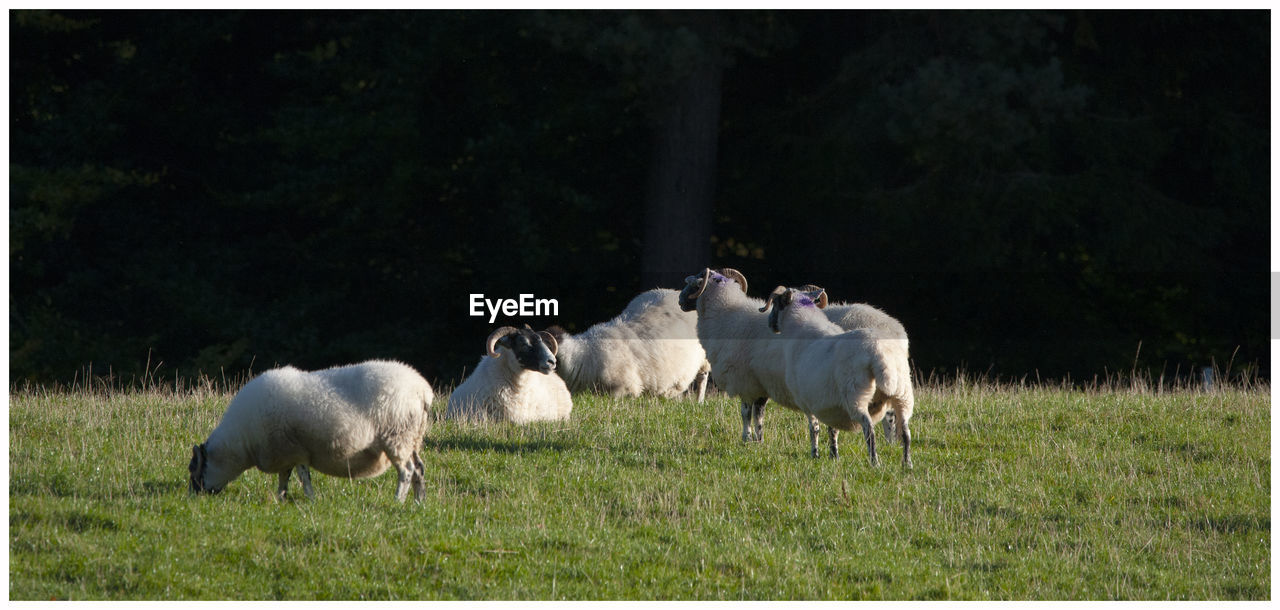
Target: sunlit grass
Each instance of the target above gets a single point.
(1017, 493)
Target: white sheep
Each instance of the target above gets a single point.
(347, 421)
(745, 362)
(651, 347)
(840, 377)
(514, 381)
(852, 316)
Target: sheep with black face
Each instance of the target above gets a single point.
(514, 381)
(348, 421)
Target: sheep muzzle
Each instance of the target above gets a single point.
(694, 286)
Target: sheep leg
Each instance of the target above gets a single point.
(757, 418)
(834, 435)
(813, 436)
(906, 446)
(283, 488)
(405, 471)
(419, 485)
(746, 421)
(304, 475)
(904, 431)
(700, 382)
(868, 432)
(887, 423)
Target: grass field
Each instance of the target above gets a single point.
(1017, 493)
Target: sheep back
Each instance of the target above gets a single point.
(651, 347)
(850, 316)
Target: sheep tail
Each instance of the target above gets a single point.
(886, 375)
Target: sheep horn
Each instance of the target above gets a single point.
(550, 340)
(822, 298)
(495, 336)
(775, 295)
(736, 276)
(706, 277)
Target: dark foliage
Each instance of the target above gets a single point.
(1026, 191)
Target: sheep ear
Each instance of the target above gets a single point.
(550, 340)
(773, 320)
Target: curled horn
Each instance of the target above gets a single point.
(736, 276)
(550, 340)
(775, 295)
(822, 298)
(495, 336)
(706, 277)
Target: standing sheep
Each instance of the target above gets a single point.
(745, 362)
(514, 381)
(651, 347)
(841, 377)
(347, 421)
(852, 316)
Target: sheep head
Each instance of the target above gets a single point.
(534, 350)
(197, 468)
(782, 297)
(694, 285)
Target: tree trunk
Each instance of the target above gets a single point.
(682, 179)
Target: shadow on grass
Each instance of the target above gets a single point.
(163, 488)
(515, 447)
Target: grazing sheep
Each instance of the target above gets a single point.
(347, 421)
(513, 383)
(745, 362)
(651, 347)
(840, 377)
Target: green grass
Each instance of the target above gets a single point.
(1017, 493)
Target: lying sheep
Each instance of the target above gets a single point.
(348, 421)
(514, 381)
(651, 347)
(840, 377)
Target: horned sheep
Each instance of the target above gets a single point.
(852, 316)
(841, 377)
(347, 421)
(513, 382)
(744, 361)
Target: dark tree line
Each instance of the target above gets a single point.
(1027, 191)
